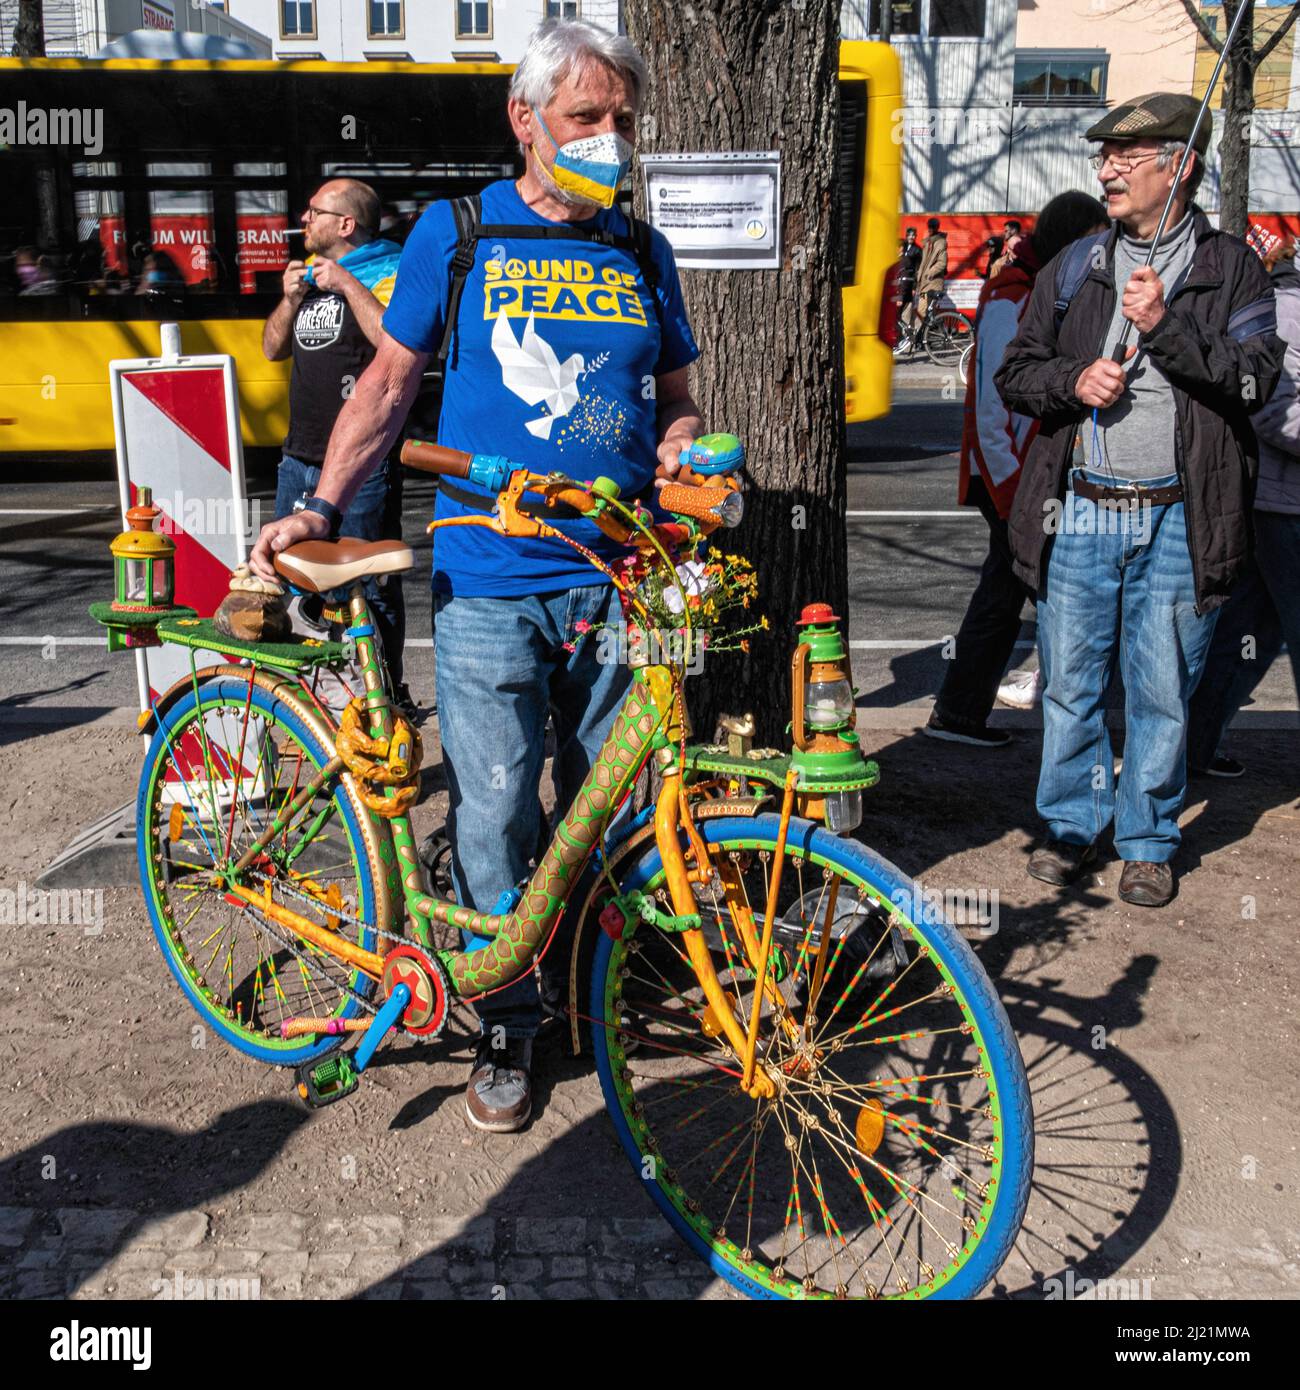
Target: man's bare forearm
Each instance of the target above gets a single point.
(679, 422)
(368, 424)
(275, 333)
(366, 309)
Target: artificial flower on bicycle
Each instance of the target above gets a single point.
(686, 609)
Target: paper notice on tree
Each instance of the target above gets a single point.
(718, 211)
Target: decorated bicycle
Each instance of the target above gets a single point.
(810, 1072)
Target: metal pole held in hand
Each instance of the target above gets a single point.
(1121, 346)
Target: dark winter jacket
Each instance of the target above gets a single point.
(1217, 344)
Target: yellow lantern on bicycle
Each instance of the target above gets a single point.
(144, 579)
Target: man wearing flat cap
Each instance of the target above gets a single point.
(1133, 547)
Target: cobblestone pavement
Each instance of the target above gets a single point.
(109, 1253)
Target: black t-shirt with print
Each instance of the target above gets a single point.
(329, 354)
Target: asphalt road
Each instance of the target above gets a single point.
(914, 557)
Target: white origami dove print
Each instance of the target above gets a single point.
(532, 371)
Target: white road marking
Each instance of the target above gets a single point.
(55, 511)
(426, 643)
(885, 646)
(973, 511)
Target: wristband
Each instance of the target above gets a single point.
(322, 508)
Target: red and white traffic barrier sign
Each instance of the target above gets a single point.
(176, 422)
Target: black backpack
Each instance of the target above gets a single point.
(470, 230)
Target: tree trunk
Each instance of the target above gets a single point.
(29, 32)
(1238, 104)
(753, 75)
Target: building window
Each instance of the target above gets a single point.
(904, 17)
(563, 9)
(936, 19)
(956, 19)
(297, 19)
(473, 19)
(384, 19)
(1060, 77)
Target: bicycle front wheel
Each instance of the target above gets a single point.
(946, 337)
(221, 765)
(895, 1156)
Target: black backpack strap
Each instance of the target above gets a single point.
(468, 212)
(1072, 271)
(642, 249)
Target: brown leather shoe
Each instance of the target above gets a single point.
(499, 1097)
(1059, 863)
(1145, 884)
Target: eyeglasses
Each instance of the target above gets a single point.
(1122, 164)
(313, 213)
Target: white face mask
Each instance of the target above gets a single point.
(591, 169)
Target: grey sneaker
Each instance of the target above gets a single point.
(499, 1096)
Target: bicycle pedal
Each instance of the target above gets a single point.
(322, 1083)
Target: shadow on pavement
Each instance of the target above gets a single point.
(140, 1168)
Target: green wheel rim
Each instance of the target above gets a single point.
(686, 1173)
(246, 975)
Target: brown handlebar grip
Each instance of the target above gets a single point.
(433, 458)
(698, 502)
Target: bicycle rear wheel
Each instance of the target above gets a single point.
(219, 768)
(894, 1159)
(946, 337)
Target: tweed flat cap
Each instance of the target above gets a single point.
(1156, 116)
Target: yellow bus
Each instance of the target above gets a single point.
(177, 181)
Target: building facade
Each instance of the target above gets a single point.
(420, 31)
(999, 94)
(80, 28)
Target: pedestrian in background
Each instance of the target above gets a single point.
(1004, 248)
(1139, 547)
(1264, 610)
(994, 442)
(930, 277)
(909, 262)
(329, 321)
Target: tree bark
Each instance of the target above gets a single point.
(29, 32)
(1237, 109)
(753, 75)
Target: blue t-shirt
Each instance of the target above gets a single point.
(553, 364)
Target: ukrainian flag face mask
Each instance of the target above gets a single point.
(590, 169)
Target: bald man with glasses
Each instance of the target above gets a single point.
(329, 322)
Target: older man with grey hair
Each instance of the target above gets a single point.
(538, 274)
(1133, 551)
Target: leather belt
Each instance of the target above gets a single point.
(1134, 496)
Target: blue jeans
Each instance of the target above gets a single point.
(1118, 578)
(1264, 607)
(374, 514)
(502, 665)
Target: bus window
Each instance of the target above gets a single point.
(261, 221)
(100, 266)
(181, 254)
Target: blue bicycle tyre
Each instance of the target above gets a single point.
(877, 888)
(170, 811)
